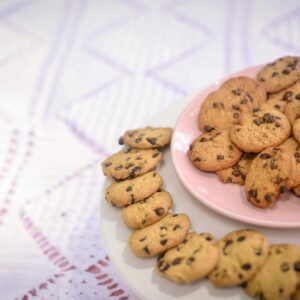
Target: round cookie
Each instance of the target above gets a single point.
(148, 211)
(279, 74)
(148, 137)
(296, 129)
(133, 190)
(279, 276)
(242, 253)
(213, 152)
(259, 130)
(160, 236)
(235, 96)
(189, 261)
(270, 173)
(237, 173)
(130, 163)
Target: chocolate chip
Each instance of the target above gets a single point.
(163, 242)
(268, 197)
(297, 266)
(256, 122)
(282, 189)
(275, 74)
(227, 243)
(258, 252)
(265, 156)
(246, 266)
(159, 211)
(297, 96)
(280, 290)
(146, 249)
(163, 228)
(268, 118)
(235, 106)
(139, 158)
(129, 188)
(197, 159)
(134, 171)
(176, 261)
(143, 239)
(230, 147)
(107, 164)
(241, 276)
(241, 238)
(285, 267)
(156, 154)
(190, 260)
(215, 105)
(208, 238)
(128, 166)
(152, 141)
(118, 168)
(161, 256)
(252, 193)
(220, 157)
(285, 71)
(207, 128)
(165, 268)
(287, 95)
(273, 164)
(138, 140)
(203, 140)
(177, 226)
(244, 101)
(236, 92)
(236, 115)
(121, 141)
(249, 156)
(236, 173)
(254, 110)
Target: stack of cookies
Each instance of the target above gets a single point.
(242, 257)
(251, 132)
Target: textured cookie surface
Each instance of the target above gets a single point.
(278, 277)
(242, 253)
(296, 129)
(134, 190)
(148, 211)
(191, 260)
(296, 190)
(160, 236)
(292, 96)
(235, 96)
(213, 151)
(296, 294)
(130, 163)
(148, 137)
(270, 173)
(237, 173)
(260, 130)
(279, 74)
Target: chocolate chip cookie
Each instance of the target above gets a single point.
(189, 261)
(148, 137)
(213, 152)
(242, 253)
(259, 130)
(148, 211)
(160, 236)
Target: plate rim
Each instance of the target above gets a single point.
(229, 214)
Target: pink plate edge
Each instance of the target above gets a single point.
(232, 215)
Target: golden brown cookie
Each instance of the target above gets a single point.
(242, 253)
(133, 190)
(131, 163)
(147, 137)
(189, 261)
(278, 277)
(260, 130)
(213, 152)
(296, 129)
(160, 236)
(148, 211)
(279, 74)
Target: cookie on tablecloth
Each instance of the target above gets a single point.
(189, 261)
(237, 173)
(280, 74)
(148, 137)
(279, 276)
(160, 236)
(213, 152)
(130, 163)
(260, 130)
(270, 173)
(242, 253)
(134, 190)
(148, 211)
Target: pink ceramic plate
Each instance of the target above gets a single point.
(227, 199)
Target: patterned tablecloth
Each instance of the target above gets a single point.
(73, 75)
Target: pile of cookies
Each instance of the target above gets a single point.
(243, 257)
(251, 132)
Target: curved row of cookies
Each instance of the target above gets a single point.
(251, 132)
(242, 257)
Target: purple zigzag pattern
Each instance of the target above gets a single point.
(282, 42)
(171, 9)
